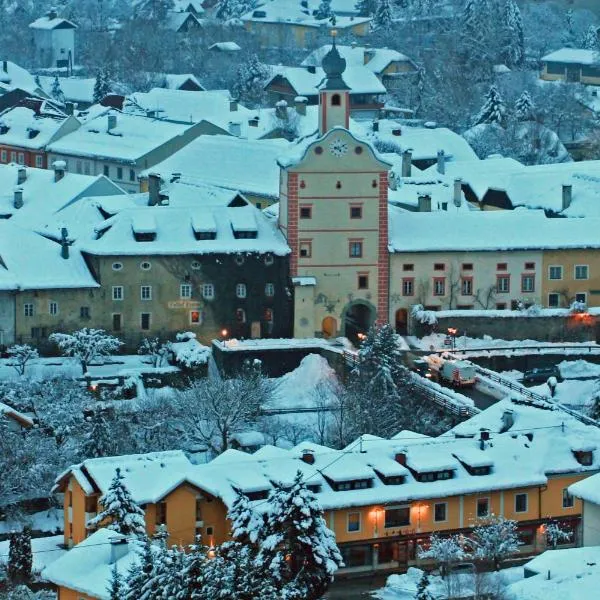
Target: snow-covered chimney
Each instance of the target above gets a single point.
(281, 109)
(457, 192)
(52, 14)
(235, 128)
(21, 175)
(368, 56)
(441, 162)
(112, 122)
(5, 66)
(18, 197)
(407, 163)
(233, 105)
(69, 108)
(154, 183)
(300, 103)
(400, 458)
(118, 549)
(64, 243)
(567, 195)
(308, 456)
(375, 125)
(484, 436)
(424, 201)
(508, 419)
(60, 167)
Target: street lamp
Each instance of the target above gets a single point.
(452, 331)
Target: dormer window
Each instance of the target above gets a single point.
(584, 457)
(3, 129)
(31, 133)
(354, 484)
(433, 476)
(260, 495)
(391, 480)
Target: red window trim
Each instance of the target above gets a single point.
(532, 276)
(358, 276)
(501, 266)
(463, 279)
(435, 280)
(359, 241)
(411, 279)
(307, 243)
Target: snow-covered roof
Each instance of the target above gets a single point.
(408, 190)
(374, 59)
(43, 197)
(202, 160)
(13, 76)
(174, 81)
(175, 19)
(569, 574)
(588, 489)
(424, 142)
(573, 55)
(358, 78)
(22, 128)
(52, 22)
(174, 232)
(133, 137)
(10, 413)
(31, 261)
(488, 231)
(87, 568)
(75, 89)
(225, 47)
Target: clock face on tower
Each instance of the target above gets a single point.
(338, 148)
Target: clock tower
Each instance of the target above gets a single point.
(333, 211)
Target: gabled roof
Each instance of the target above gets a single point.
(13, 76)
(21, 127)
(75, 89)
(52, 22)
(296, 12)
(588, 489)
(574, 55)
(175, 20)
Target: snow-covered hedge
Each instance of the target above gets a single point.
(188, 352)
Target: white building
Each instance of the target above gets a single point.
(54, 41)
(589, 491)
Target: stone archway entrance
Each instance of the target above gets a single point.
(329, 327)
(357, 318)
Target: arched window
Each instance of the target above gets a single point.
(336, 100)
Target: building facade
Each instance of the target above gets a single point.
(54, 42)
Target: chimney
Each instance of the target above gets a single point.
(400, 458)
(235, 128)
(308, 456)
(300, 103)
(69, 108)
(375, 125)
(154, 182)
(118, 549)
(457, 192)
(368, 55)
(5, 66)
(424, 202)
(441, 162)
(508, 420)
(407, 163)
(567, 195)
(233, 105)
(60, 167)
(64, 243)
(112, 122)
(21, 175)
(281, 110)
(18, 197)
(52, 14)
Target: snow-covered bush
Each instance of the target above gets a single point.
(556, 534)
(427, 317)
(494, 540)
(578, 307)
(19, 355)
(188, 352)
(444, 551)
(155, 350)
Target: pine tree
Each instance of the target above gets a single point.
(120, 513)
(115, 586)
(366, 8)
(514, 38)
(493, 110)
(590, 39)
(98, 440)
(252, 76)
(234, 9)
(524, 107)
(384, 17)
(101, 86)
(422, 591)
(298, 550)
(140, 572)
(324, 10)
(473, 26)
(20, 557)
(246, 524)
(56, 91)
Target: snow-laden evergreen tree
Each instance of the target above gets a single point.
(140, 572)
(366, 8)
(98, 439)
(156, 10)
(298, 550)
(102, 85)
(514, 38)
(384, 16)
(19, 355)
(324, 10)
(556, 534)
(494, 541)
(119, 511)
(590, 39)
(524, 107)
(56, 91)
(246, 524)
(20, 557)
(115, 585)
(422, 592)
(380, 359)
(86, 344)
(493, 110)
(472, 31)
(444, 551)
(234, 9)
(252, 76)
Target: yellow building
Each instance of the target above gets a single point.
(333, 212)
(573, 65)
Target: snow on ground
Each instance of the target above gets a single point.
(45, 551)
(404, 587)
(578, 368)
(435, 341)
(50, 521)
(573, 393)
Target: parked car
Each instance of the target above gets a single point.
(458, 373)
(422, 368)
(541, 375)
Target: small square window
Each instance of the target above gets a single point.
(439, 512)
(467, 266)
(581, 272)
(439, 266)
(305, 249)
(483, 507)
(581, 297)
(117, 292)
(553, 300)
(363, 282)
(520, 503)
(28, 309)
(529, 266)
(195, 318)
(500, 305)
(555, 272)
(355, 249)
(306, 212)
(408, 267)
(353, 522)
(185, 290)
(356, 212)
(146, 292)
(502, 266)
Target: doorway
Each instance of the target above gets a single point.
(358, 317)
